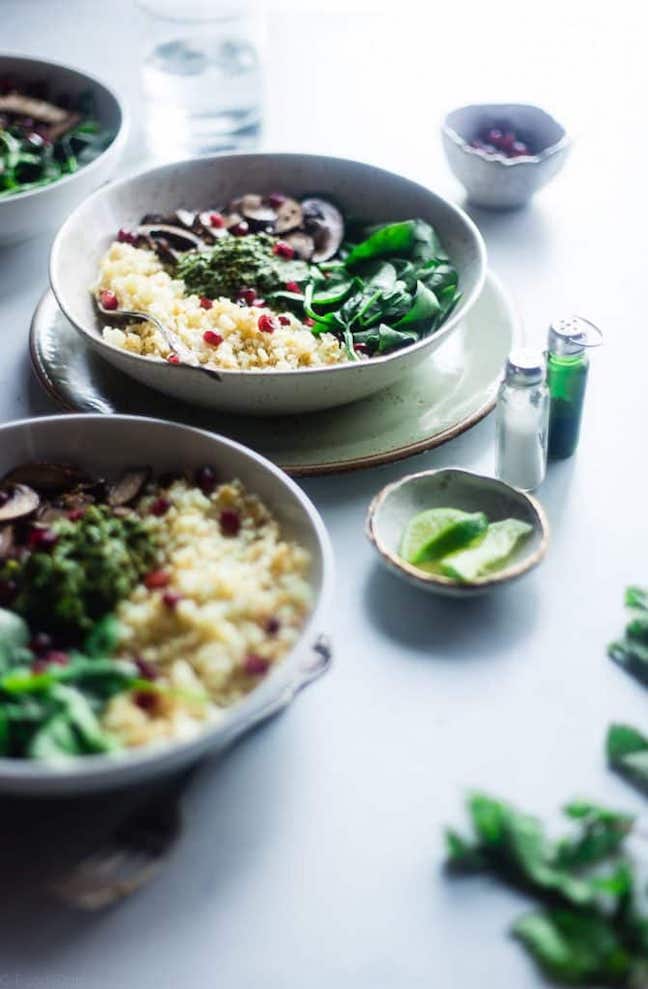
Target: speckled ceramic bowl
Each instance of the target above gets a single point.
(27, 214)
(361, 190)
(495, 181)
(451, 487)
(104, 445)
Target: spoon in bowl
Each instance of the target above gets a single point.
(174, 343)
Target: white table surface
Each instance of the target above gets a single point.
(311, 853)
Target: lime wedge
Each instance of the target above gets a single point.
(490, 553)
(436, 532)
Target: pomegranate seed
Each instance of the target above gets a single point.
(108, 299)
(156, 579)
(126, 237)
(494, 136)
(284, 250)
(212, 338)
(519, 148)
(147, 670)
(205, 303)
(272, 626)
(146, 699)
(160, 507)
(57, 657)
(40, 643)
(247, 295)
(276, 199)
(173, 359)
(309, 321)
(216, 220)
(361, 348)
(293, 287)
(507, 141)
(42, 539)
(75, 514)
(284, 320)
(240, 229)
(230, 522)
(206, 479)
(170, 599)
(266, 323)
(255, 665)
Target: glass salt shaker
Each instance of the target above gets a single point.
(522, 421)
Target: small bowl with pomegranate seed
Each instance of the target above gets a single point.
(503, 153)
(161, 590)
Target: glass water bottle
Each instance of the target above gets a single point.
(522, 421)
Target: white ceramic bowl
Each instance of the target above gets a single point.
(27, 214)
(361, 190)
(107, 444)
(493, 180)
(451, 487)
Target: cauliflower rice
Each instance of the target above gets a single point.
(240, 602)
(138, 279)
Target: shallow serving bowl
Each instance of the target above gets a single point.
(361, 190)
(493, 180)
(452, 487)
(107, 444)
(27, 214)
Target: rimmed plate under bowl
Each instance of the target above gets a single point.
(27, 214)
(362, 191)
(445, 395)
(453, 487)
(105, 445)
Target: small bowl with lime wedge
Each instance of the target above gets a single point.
(454, 532)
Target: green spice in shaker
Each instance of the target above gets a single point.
(567, 367)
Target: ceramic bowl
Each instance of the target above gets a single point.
(361, 190)
(104, 445)
(493, 180)
(451, 487)
(27, 214)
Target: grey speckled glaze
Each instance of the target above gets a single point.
(495, 181)
(361, 190)
(30, 213)
(445, 394)
(106, 445)
(450, 487)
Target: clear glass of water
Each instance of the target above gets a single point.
(201, 75)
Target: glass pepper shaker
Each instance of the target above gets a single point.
(522, 421)
(567, 368)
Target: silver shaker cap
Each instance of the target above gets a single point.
(525, 367)
(571, 335)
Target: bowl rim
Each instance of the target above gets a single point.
(97, 340)
(498, 159)
(117, 143)
(282, 677)
(412, 573)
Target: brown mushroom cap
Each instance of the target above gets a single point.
(325, 223)
(256, 210)
(178, 238)
(303, 244)
(47, 477)
(22, 501)
(128, 486)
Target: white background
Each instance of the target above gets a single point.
(311, 854)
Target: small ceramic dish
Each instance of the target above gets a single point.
(396, 504)
(493, 180)
(29, 213)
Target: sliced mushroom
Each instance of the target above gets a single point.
(22, 501)
(289, 216)
(6, 541)
(47, 477)
(303, 244)
(256, 211)
(178, 238)
(325, 224)
(27, 106)
(186, 218)
(129, 486)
